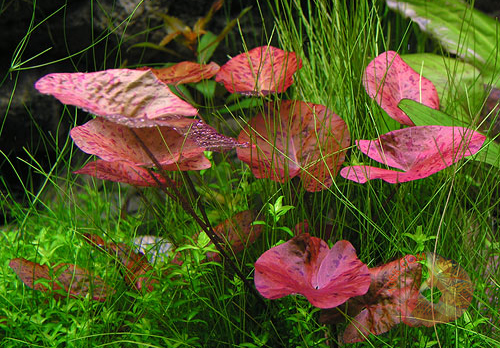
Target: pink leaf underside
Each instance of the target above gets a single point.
(388, 79)
(136, 267)
(456, 290)
(392, 296)
(135, 98)
(237, 232)
(121, 172)
(114, 142)
(64, 280)
(419, 151)
(186, 72)
(304, 139)
(207, 137)
(304, 265)
(260, 71)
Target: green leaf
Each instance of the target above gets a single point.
(459, 28)
(206, 47)
(422, 115)
(206, 87)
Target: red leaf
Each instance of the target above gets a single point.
(207, 137)
(70, 279)
(114, 142)
(419, 151)
(305, 265)
(392, 295)
(297, 138)
(388, 79)
(137, 269)
(120, 172)
(260, 71)
(134, 98)
(238, 232)
(186, 72)
(456, 290)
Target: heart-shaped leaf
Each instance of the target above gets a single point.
(305, 265)
(115, 142)
(260, 71)
(296, 138)
(419, 151)
(186, 72)
(208, 138)
(121, 172)
(388, 79)
(136, 268)
(135, 98)
(455, 287)
(61, 280)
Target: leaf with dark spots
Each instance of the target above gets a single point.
(61, 280)
(295, 138)
(185, 72)
(418, 151)
(207, 137)
(136, 268)
(260, 71)
(123, 172)
(388, 80)
(135, 98)
(305, 265)
(114, 142)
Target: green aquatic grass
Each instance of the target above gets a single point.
(453, 213)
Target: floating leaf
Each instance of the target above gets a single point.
(237, 232)
(296, 138)
(388, 79)
(419, 151)
(186, 72)
(260, 71)
(455, 287)
(208, 138)
(135, 98)
(137, 269)
(114, 142)
(63, 280)
(393, 294)
(121, 172)
(305, 265)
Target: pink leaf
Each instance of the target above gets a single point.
(305, 265)
(455, 286)
(207, 137)
(296, 138)
(186, 72)
(392, 295)
(418, 151)
(114, 142)
(120, 172)
(388, 79)
(238, 232)
(260, 71)
(137, 269)
(134, 98)
(64, 280)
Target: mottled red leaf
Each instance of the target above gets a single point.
(418, 151)
(136, 267)
(237, 232)
(296, 138)
(455, 286)
(120, 172)
(208, 138)
(114, 142)
(135, 98)
(186, 72)
(260, 71)
(305, 265)
(393, 294)
(63, 280)
(388, 79)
